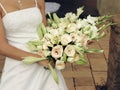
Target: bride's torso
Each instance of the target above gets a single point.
(20, 26)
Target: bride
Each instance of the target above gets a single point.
(18, 22)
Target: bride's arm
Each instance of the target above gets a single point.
(8, 50)
(41, 5)
(11, 51)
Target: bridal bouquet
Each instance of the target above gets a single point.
(65, 39)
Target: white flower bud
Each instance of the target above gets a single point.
(65, 39)
(60, 65)
(70, 59)
(72, 27)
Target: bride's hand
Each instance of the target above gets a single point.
(45, 63)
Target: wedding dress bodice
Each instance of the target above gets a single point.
(21, 26)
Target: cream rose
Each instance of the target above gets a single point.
(73, 36)
(57, 51)
(69, 50)
(60, 65)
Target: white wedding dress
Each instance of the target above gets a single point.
(20, 27)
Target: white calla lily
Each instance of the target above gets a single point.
(73, 36)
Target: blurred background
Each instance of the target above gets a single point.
(90, 7)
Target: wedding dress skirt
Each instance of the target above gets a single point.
(21, 27)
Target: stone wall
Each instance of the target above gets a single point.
(113, 80)
(108, 6)
(112, 7)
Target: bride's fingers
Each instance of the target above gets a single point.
(52, 63)
(44, 63)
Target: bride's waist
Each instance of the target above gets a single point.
(21, 42)
(21, 38)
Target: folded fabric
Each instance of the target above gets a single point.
(51, 7)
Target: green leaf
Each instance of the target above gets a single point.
(54, 74)
(43, 28)
(64, 57)
(56, 18)
(78, 49)
(54, 25)
(36, 42)
(93, 51)
(101, 35)
(103, 19)
(32, 45)
(81, 61)
(39, 31)
(50, 16)
(80, 11)
(103, 27)
(49, 22)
